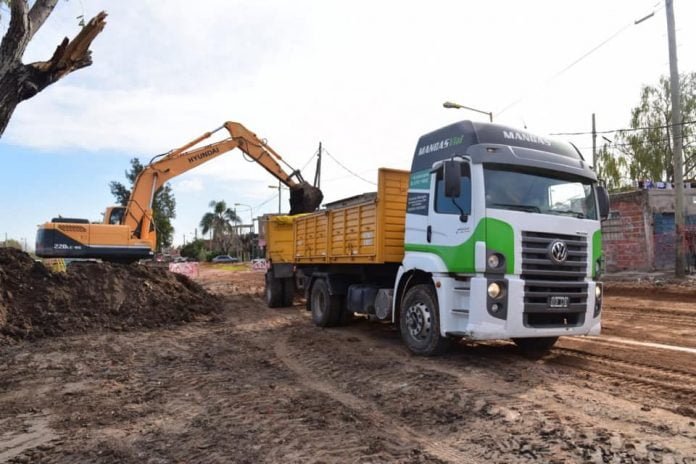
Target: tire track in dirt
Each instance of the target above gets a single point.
(307, 376)
(662, 318)
(300, 416)
(221, 397)
(668, 378)
(566, 414)
(622, 342)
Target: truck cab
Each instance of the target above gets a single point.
(502, 237)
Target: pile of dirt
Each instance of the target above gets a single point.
(36, 302)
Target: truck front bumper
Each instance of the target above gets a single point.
(467, 311)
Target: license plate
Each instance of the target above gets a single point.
(559, 301)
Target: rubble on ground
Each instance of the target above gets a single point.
(36, 302)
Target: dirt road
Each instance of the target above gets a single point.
(265, 385)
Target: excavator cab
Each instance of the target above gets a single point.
(114, 215)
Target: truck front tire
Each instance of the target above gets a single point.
(326, 308)
(419, 322)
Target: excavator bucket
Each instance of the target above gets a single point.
(304, 198)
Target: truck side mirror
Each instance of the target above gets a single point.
(603, 200)
(452, 175)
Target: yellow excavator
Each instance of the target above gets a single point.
(128, 233)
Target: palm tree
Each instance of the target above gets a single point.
(219, 223)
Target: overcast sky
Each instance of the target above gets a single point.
(365, 78)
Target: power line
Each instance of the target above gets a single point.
(266, 201)
(309, 160)
(349, 176)
(348, 170)
(625, 144)
(629, 129)
(575, 62)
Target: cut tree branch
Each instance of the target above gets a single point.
(73, 54)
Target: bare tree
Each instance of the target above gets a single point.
(19, 81)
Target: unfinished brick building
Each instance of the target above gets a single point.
(640, 234)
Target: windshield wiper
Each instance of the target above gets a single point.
(568, 212)
(530, 208)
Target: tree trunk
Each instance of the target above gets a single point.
(20, 81)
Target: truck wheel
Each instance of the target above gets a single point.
(419, 322)
(274, 291)
(535, 344)
(326, 309)
(288, 291)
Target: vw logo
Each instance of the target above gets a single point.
(558, 251)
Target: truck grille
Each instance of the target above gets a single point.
(544, 279)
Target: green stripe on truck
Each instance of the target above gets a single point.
(596, 250)
(497, 234)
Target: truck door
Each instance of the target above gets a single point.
(450, 222)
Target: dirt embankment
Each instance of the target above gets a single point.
(35, 302)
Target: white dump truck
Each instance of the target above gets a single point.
(493, 234)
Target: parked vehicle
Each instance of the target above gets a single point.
(225, 259)
(493, 234)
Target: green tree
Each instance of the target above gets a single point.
(645, 152)
(611, 167)
(194, 249)
(163, 204)
(219, 222)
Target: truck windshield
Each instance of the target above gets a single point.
(539, 193)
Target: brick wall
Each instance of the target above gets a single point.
(665, 238)
(627, 235)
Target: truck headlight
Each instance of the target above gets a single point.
(598, 292)
(495, 291)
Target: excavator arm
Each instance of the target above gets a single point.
(304, 197)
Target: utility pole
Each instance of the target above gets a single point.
(680, 258)
(594, 143)
(317, 172)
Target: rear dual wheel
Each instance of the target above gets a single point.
(326, 308)
(279, 292)
(288, 291)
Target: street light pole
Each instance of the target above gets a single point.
(449, 104)
(251, 211)
(680, 258)
(280, 189)
(594, 143)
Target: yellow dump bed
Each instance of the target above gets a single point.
(366, 232)
(277, 230)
